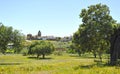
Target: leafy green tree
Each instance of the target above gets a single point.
(5, 33)
(8, 35)
(17, 39)
(73, 48)
(41, 48)
(95, 31)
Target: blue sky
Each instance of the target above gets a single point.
(52, 17)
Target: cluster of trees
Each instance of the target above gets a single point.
(9, 35)
(94, 34)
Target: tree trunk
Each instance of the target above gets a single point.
(101, 51)
(37, 55)
(114, 49)
(112, 42)
(94, 54)
(113, 58)
(100, 56)
(79, 53)
(43, 55)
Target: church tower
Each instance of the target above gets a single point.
(39, 33)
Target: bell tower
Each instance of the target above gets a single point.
(39, 33)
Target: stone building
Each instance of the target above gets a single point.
(36, 37)
(29, 36)
(39, 33)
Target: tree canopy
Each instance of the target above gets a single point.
(8, 35)
(95, 31)
(41, 48)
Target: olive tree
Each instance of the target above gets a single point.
(41, 48)
(95, 31)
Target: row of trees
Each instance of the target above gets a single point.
(9, 35)
(94, 34)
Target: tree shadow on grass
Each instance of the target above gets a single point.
(11, 63)
(98, 64)
(90, 57)
(47, 58)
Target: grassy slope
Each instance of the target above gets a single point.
(18, 64)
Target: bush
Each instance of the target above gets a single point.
(10, 51)
(71, 51)
(24, 52)
(59, 53)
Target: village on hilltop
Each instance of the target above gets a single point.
(40, 37)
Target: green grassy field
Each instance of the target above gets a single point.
(66, 64)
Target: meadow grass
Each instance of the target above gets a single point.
(65, 64)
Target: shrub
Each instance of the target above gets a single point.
(24, 52)
(59, 53)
